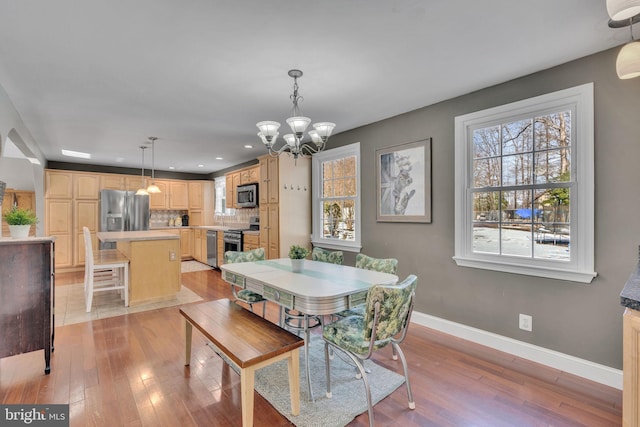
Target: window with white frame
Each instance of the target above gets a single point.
(336, 198)
(524, 187)
(221, 197)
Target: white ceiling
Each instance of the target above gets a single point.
(101, 76)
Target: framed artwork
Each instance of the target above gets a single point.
(404, 182)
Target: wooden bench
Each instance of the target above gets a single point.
(250, 341)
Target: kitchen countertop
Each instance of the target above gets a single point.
(630, 295)
(32, 239)
(126, 236)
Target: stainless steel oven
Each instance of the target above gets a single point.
(232, 240)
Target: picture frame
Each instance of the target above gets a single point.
(403, 180)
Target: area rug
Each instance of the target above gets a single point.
(70, 305)
(348, 394)
(191, 266)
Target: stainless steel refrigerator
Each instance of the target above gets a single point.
(123, 211)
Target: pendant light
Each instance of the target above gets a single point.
(628, 61)
(142, 191)
(153, 188)
(623, 9)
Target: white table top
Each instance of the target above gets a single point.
(321, 288)
(125, 236)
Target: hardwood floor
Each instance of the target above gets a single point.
(128, 371)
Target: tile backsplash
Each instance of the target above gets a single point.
(161, 218)
(239, 219)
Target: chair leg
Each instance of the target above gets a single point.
(327, 358)
(398, 350)
(264, 309)
(367, 387)
(126, 284)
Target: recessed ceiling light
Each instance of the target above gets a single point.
(78, 154)
(248, 146)
(219, 158)
(33, 160)
(172, 167)
(200, 166)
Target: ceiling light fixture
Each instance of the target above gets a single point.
(153, 188)
(623, 9)
(628, 61)
(78, 154)
(293, 141)
(142, 191)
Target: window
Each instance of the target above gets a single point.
(221, 197)
(336, 198)
(524, 187)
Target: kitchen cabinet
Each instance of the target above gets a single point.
(159, 201)
(285, 204)
(232, 182)
(111, 181)
(250, 175)
(21, 199)
(134, 183)
(631, 368)
(220, 252)
(178, 195)
(58, 184)
(186, 243)
(201, 201)
(58, 224)
(250, 242)
(269, 179)
(86, 215)
(86, 186)
(27, 295)
(200, 244)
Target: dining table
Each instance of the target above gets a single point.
(319, 289)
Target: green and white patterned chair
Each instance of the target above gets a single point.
(323, 255)
(383, 265)
(386, 318)
(245, 295)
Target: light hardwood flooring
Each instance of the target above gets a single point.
(128, 371)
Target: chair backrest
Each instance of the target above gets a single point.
(88, 247)
(323, 255)
(394, 304)
(232, 257)
(383, 265)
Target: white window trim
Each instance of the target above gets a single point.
(316, 188)
(581, 267)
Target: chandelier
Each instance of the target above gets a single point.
(293, 144)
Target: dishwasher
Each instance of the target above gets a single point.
(212, 248)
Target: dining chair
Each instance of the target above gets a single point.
(104, 270)
(383, 265)
(245, 295)
(323, 255)
(385, 322)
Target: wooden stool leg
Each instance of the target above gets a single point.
(293, 366)
(246, 391)
(188, 331)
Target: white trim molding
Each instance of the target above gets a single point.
(573, 365)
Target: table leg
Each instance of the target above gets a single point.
(293, 367)
(246, 393)
(188, 331)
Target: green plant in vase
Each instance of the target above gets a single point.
(297, 255)
(20, 221)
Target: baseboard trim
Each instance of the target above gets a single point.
(583, 368)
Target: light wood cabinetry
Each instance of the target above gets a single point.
(111, 181)
(134, 183)
(85, 215)
(20, 198)
(220, 252)
(59, 184)
(631, 368)
(200, 244)
(159, 201)
(58, 224)
(250, 175)
(186, 241)
(178, 195)
(86, 186)
(232, 182)
(250, 242)
(285, 214)
(269, 179)
(201, 203)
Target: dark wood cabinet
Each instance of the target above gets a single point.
(27, 297)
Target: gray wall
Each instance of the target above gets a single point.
(582, 320)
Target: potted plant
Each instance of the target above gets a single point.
(297, 255)
(20, 221)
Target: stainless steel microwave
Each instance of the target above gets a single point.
(247, 196)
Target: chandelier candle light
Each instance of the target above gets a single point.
(298, 123)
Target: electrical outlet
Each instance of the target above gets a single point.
(526, 322)
(172, 256)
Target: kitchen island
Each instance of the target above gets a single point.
(154, 263)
